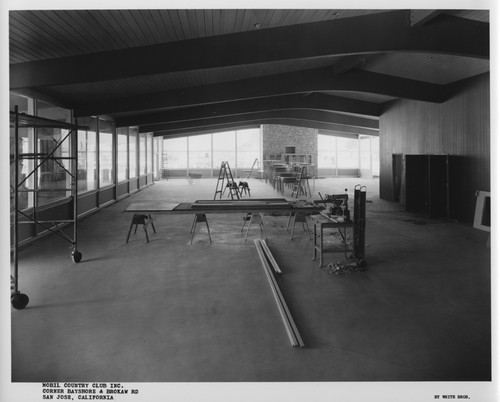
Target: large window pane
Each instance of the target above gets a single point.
(24, 166)
(132, 152)
(87, 156)
(24, 104)
(149, 154)
(26, 144)
(375, 144)
(53, 112)
(53, 179)
(365, 158)
(224, 149)
(175, 150)
(347, 153)
(248, 147)
(105, 153)
(142, 154)
(157, 157)
(327, 145)
(122, 154)
(200, 148)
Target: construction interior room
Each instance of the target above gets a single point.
(250, 196)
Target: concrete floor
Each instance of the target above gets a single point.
(168, 311)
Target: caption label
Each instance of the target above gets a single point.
(85, 391)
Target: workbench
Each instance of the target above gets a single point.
(324, 221)
(256, 205)
(251, 208)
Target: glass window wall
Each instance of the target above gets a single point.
(26, 145)
(157, 157)
(224, 148)
(149, 153)
(347, 153)
(53, 112)
(248, 147)
(375, 148)
(175, 150)
(327, 152)
(365, 158)
(239, 148)
(142, 154)
(200, 155)
(122, 153)
(53, 181)
(87, 155)
(105, 153)
(132, 155)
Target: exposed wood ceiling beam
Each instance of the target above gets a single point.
(304, 102)
(213, 128)
(384, 32)
(314, 80)
(312, 115)
(312, 119)
(421, 17)
(200, 130)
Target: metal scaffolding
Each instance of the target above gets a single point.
(31, 216)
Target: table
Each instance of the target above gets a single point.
(323, 221)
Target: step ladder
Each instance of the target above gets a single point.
(255, 162)
(225, 179)
(298, 186)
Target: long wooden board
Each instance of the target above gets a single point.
(221, 206)
(286, 316)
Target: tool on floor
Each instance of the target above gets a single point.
(225, 179)
(345, 267)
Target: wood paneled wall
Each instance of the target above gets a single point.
(460, 126)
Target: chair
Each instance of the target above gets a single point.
(144, 220)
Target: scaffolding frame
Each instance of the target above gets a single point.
(22, 120)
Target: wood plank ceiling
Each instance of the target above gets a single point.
(177, 72)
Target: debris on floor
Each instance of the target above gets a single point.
(338, 236)
(416, 221)
(346, 267)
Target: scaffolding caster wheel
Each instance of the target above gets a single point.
(362, 263)
(19, 300)
(77, 256)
